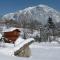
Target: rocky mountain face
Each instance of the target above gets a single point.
(40, 13)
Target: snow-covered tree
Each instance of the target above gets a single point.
(51, 27)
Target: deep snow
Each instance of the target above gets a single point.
(40, 51)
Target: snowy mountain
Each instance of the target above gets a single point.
(39, 13)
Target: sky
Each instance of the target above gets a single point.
(8, 6)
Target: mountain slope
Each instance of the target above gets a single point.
(39, 13)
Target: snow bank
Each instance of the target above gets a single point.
(45, 45)
(8, 48)
(19, 41)
(0, 36)
(37, 54)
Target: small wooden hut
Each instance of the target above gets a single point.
(11, 36)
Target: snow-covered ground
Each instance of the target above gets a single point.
(40, 51)
(9, 48)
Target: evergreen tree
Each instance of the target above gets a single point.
(51, 28)
(51, 24)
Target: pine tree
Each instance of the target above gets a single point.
(51, 24)
(51, 28)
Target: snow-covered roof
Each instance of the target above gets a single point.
(21, 42)
(10, 29)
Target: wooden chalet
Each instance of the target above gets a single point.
(11, 36)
